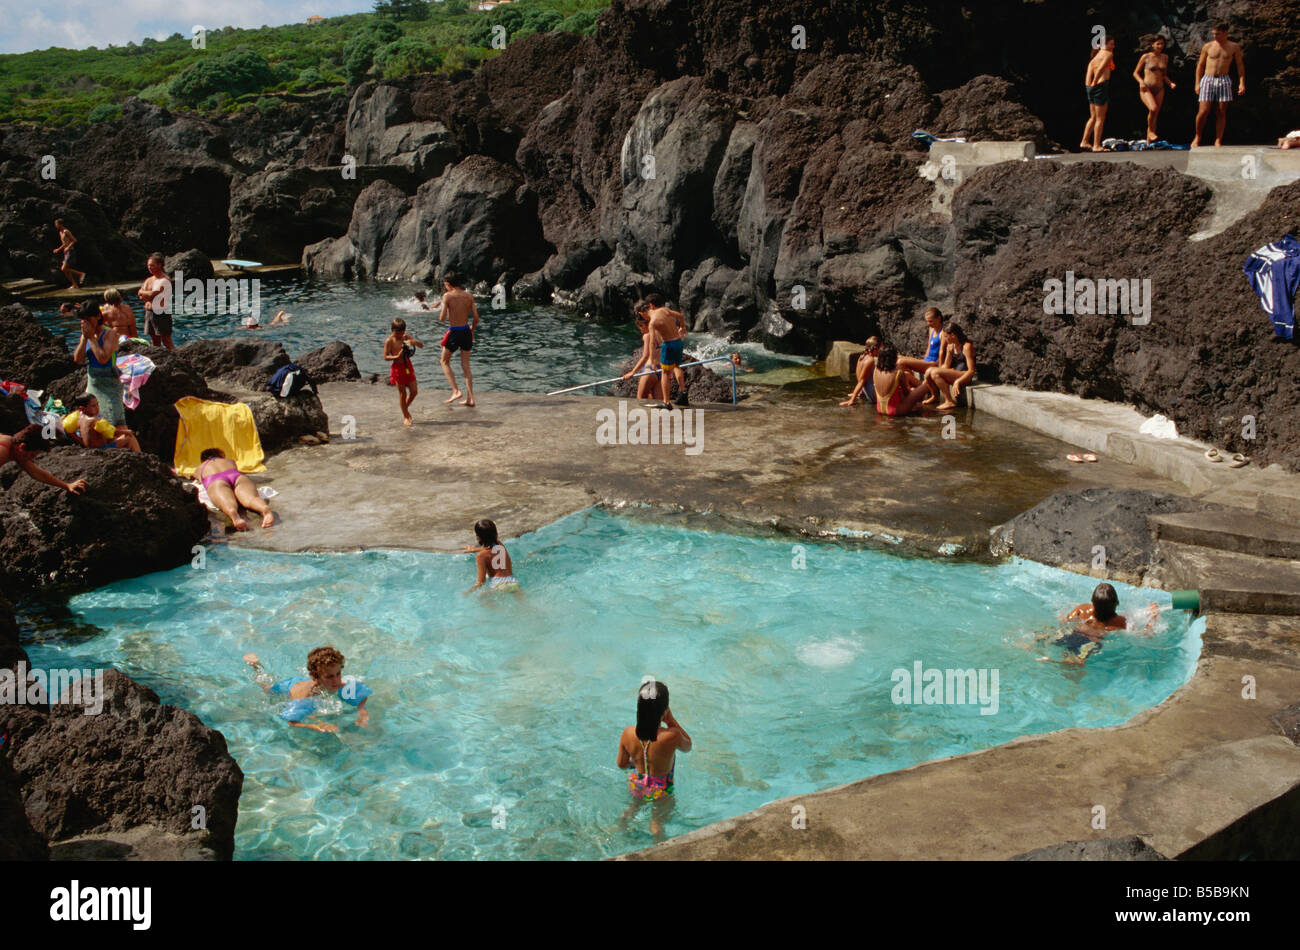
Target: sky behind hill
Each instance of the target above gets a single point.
(77, 24)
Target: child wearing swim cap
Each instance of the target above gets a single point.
(325, 675)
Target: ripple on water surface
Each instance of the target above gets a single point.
(491, 707)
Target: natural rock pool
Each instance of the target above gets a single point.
(781, 659)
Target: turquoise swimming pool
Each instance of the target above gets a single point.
(780, 658)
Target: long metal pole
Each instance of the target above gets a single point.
(651, 372)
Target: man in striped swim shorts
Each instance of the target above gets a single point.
(1214, 82)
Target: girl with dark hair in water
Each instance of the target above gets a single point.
(492, 559)
(650, 748)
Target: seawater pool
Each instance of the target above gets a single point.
(779, 658)
(523, 348)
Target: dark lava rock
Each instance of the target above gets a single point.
(136, 762)
(29, 353)
(248, 362)
(1062, 530)
(192, 263)
(1129, 848)
(135, 517)
(19, 841)
(332, 363)
(10, 652)
(1207, 357)
(13, 414)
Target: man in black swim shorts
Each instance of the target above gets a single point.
(457, 308)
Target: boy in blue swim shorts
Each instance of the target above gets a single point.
(668, 328)
(325, 675)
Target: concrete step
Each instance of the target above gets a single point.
(26, 285)
(1243, 532)
(1229, 581)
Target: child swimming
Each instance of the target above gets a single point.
(1098, 619)
(492, 560)
(325, 669)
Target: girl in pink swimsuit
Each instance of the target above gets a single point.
(228, 488)
(650, 749)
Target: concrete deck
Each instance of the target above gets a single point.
(1112, 430)
(776, 461)
(1207, 774)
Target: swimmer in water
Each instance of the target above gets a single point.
(650, 748)
(325, 669)
(1097, 619)
(492, 560)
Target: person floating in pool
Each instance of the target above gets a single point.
(228, 488)
(650, 748)
(398, 350)
(251, 321)
(1097, 619)
(492, 560)
(325, 675)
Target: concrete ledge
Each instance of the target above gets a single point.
(840, 361)
(1113, 430)
(1207, 773)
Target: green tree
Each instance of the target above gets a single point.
(105, 112)
(583, 23)
(407, 56)
(237, 72)
(510, 18)
(541, 21)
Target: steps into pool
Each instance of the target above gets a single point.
(1239, 561)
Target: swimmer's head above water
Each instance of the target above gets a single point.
(325, 667)
(486, 532)
(651, 704)
(1105, 602)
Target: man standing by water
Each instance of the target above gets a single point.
(67, 242)
(156, 292)
(1214, 82)
(668, 327)
(457, 308)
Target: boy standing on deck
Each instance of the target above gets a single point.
(398, 350)
(668, 329)
(457, 308)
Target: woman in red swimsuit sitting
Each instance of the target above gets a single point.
(229, 489)
(892, 397)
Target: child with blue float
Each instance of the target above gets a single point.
(325, 675)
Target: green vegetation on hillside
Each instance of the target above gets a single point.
(251, 68)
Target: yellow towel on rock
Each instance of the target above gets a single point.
(216, 425)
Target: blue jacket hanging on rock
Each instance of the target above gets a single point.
(1274, 274)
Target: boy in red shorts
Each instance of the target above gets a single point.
(398, 350)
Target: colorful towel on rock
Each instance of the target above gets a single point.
(135, 370)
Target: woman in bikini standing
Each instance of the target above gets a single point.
(650, 748)
(892, 397)
(228, 489)
(1152, 75)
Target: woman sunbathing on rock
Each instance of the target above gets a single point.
(229, 488)
(956, 369)
(21, 447)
